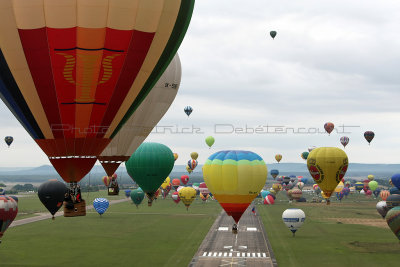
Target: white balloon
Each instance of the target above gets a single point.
(382, 208)
(294, 219)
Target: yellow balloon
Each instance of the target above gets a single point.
(187, 195)
(166, 183)
(194, 155)
(277, 187)
(327, 166)
(370, 177)
(235, 178)
(324, 196)
(278, 157)
(339, 187)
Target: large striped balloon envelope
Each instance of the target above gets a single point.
(101, 205)
(235, 178)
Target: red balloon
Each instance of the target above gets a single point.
(8, 212)
(176, 183)
(329, 126)
(184, 179)
(175, 197)
(269, 200)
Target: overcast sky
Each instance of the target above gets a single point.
(336, 61)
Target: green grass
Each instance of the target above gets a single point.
(320, 242)
(162, 235)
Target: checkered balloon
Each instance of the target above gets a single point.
(101, 205)
(8, 212)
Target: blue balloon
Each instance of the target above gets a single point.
(396, 180)
(101, 205)
(128, 193)
(304, 180)
(2, 191)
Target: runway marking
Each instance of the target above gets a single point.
(251, 229)
(242, 247)
(219, 254)
(227, 246)
(223, 229)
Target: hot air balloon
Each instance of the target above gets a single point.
(187, 196)
(304, 155)
(382, 208)
(300, 185)
(176, 183)
(106, 180)
(188, 169)
(188, 110)
(273, 34)
(210, 141)
(128, 193)
(339, 187)
(327, 165)
(194, 155)
(176, 156)
(204, 197)
(346, 191)
(376, 192)
(235, 178)
(149, 166)
(145, 118)
(393, 220)
(137, 196)
(296, 194)
(52, 194)
(175, 197)
(293, 219)
(166, 183)
(269, 200)
(8, 140)
(373, 185)
(73, 75)
(329, 126)
(370, 177)
(278, 157)
(394, 191)
(369, 135)
(8, 212)
(396, 180)
(2, 191)
(344, 140)
(393, 201)
(311, 148)
(277, 187)
(184, 179)
(204, 189)
(264, 193)
(274, 173)
(101, 205)
(192, 164)
(359, 186)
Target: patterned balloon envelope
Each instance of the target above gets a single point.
(235, 178)
(175, 197)
(187, 195)
(393, 220)
(8, 212)
(293, 219)
(73, 72)
(101, 205)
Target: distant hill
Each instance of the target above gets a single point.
(42, 173)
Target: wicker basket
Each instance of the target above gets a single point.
(78, 210)
(112, 191)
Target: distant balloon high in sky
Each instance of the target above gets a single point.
(188, 110)
(272, 34)
(344, 140)
(235, 178)
(369, 135)
(73, 72)
(210, 141)
(278, 157)
(329, 126)
(304, 155)
(8, 140)
(327, 165)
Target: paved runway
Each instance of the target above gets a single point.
(250, 247)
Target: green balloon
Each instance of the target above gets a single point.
(137, 196)
(149, 166)
(210, 141)
(373, 185)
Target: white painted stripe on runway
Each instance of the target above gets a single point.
(244, 255)
(258, 254)
(248, 254)
(238, 254)
(215, 254)
(251, 229)
(225, 254)
(209, 254)
(230, 254)
(204, 254)
(264, 255)
(220, 254)
(223, 228)
(254, 254)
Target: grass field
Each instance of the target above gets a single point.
(324, 242)
(162, 235)
(168, 235)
